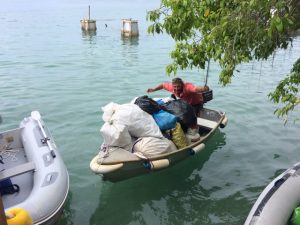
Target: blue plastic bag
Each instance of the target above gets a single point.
(165, 120)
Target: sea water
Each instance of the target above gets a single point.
(48, 64)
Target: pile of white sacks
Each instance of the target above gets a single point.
(127, 126)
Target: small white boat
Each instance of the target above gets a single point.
(122, 164)
(33, 175)
(275, 205)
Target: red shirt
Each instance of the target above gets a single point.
(189, 93)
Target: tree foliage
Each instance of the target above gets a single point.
(286, 92)
(228, 31)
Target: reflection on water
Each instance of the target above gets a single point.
(159, 195)
(130, 40)
(68, 213)
(130, 53)
(89, 34)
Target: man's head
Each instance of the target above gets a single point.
(177, 84)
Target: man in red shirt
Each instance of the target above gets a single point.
(184, 90)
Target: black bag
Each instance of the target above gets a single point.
(183, 111)
(147, 104)
(6, 187)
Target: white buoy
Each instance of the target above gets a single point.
(130, 28)
(88, 24)
(159, 164)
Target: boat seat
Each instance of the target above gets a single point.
(17, 170)
(206, 123)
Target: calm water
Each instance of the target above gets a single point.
(48, 64)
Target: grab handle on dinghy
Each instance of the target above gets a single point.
(37, 117)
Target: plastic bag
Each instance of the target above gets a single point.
(192, 135)
(178, 137)
(109, 110)
(115, 134)
(138, 122)
(147, 104)
(165, 120)
(183, 111)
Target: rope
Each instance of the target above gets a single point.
(8, 152)
(103, 153)
(207, 70)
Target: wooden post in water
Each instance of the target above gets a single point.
(2, 213)
(88, 24)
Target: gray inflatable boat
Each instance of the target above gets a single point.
(33, 175)
(275, 205)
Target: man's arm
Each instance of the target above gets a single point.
(202, 88)
(159, 87)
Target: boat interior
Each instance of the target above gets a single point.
(16, 173)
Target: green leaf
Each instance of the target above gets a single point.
(157, 28)
(252, 2)
(290, 21)
(151, 29)
(279, 26)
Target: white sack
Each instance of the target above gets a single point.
(138, 122)
(115, 134)
(109, 110)
(151, 146)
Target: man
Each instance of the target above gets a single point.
(184, 90)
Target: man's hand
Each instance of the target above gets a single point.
(159, 87)
(149, 90)
(202, 88)
(206, 88)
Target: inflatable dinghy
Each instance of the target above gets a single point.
(33, 175)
